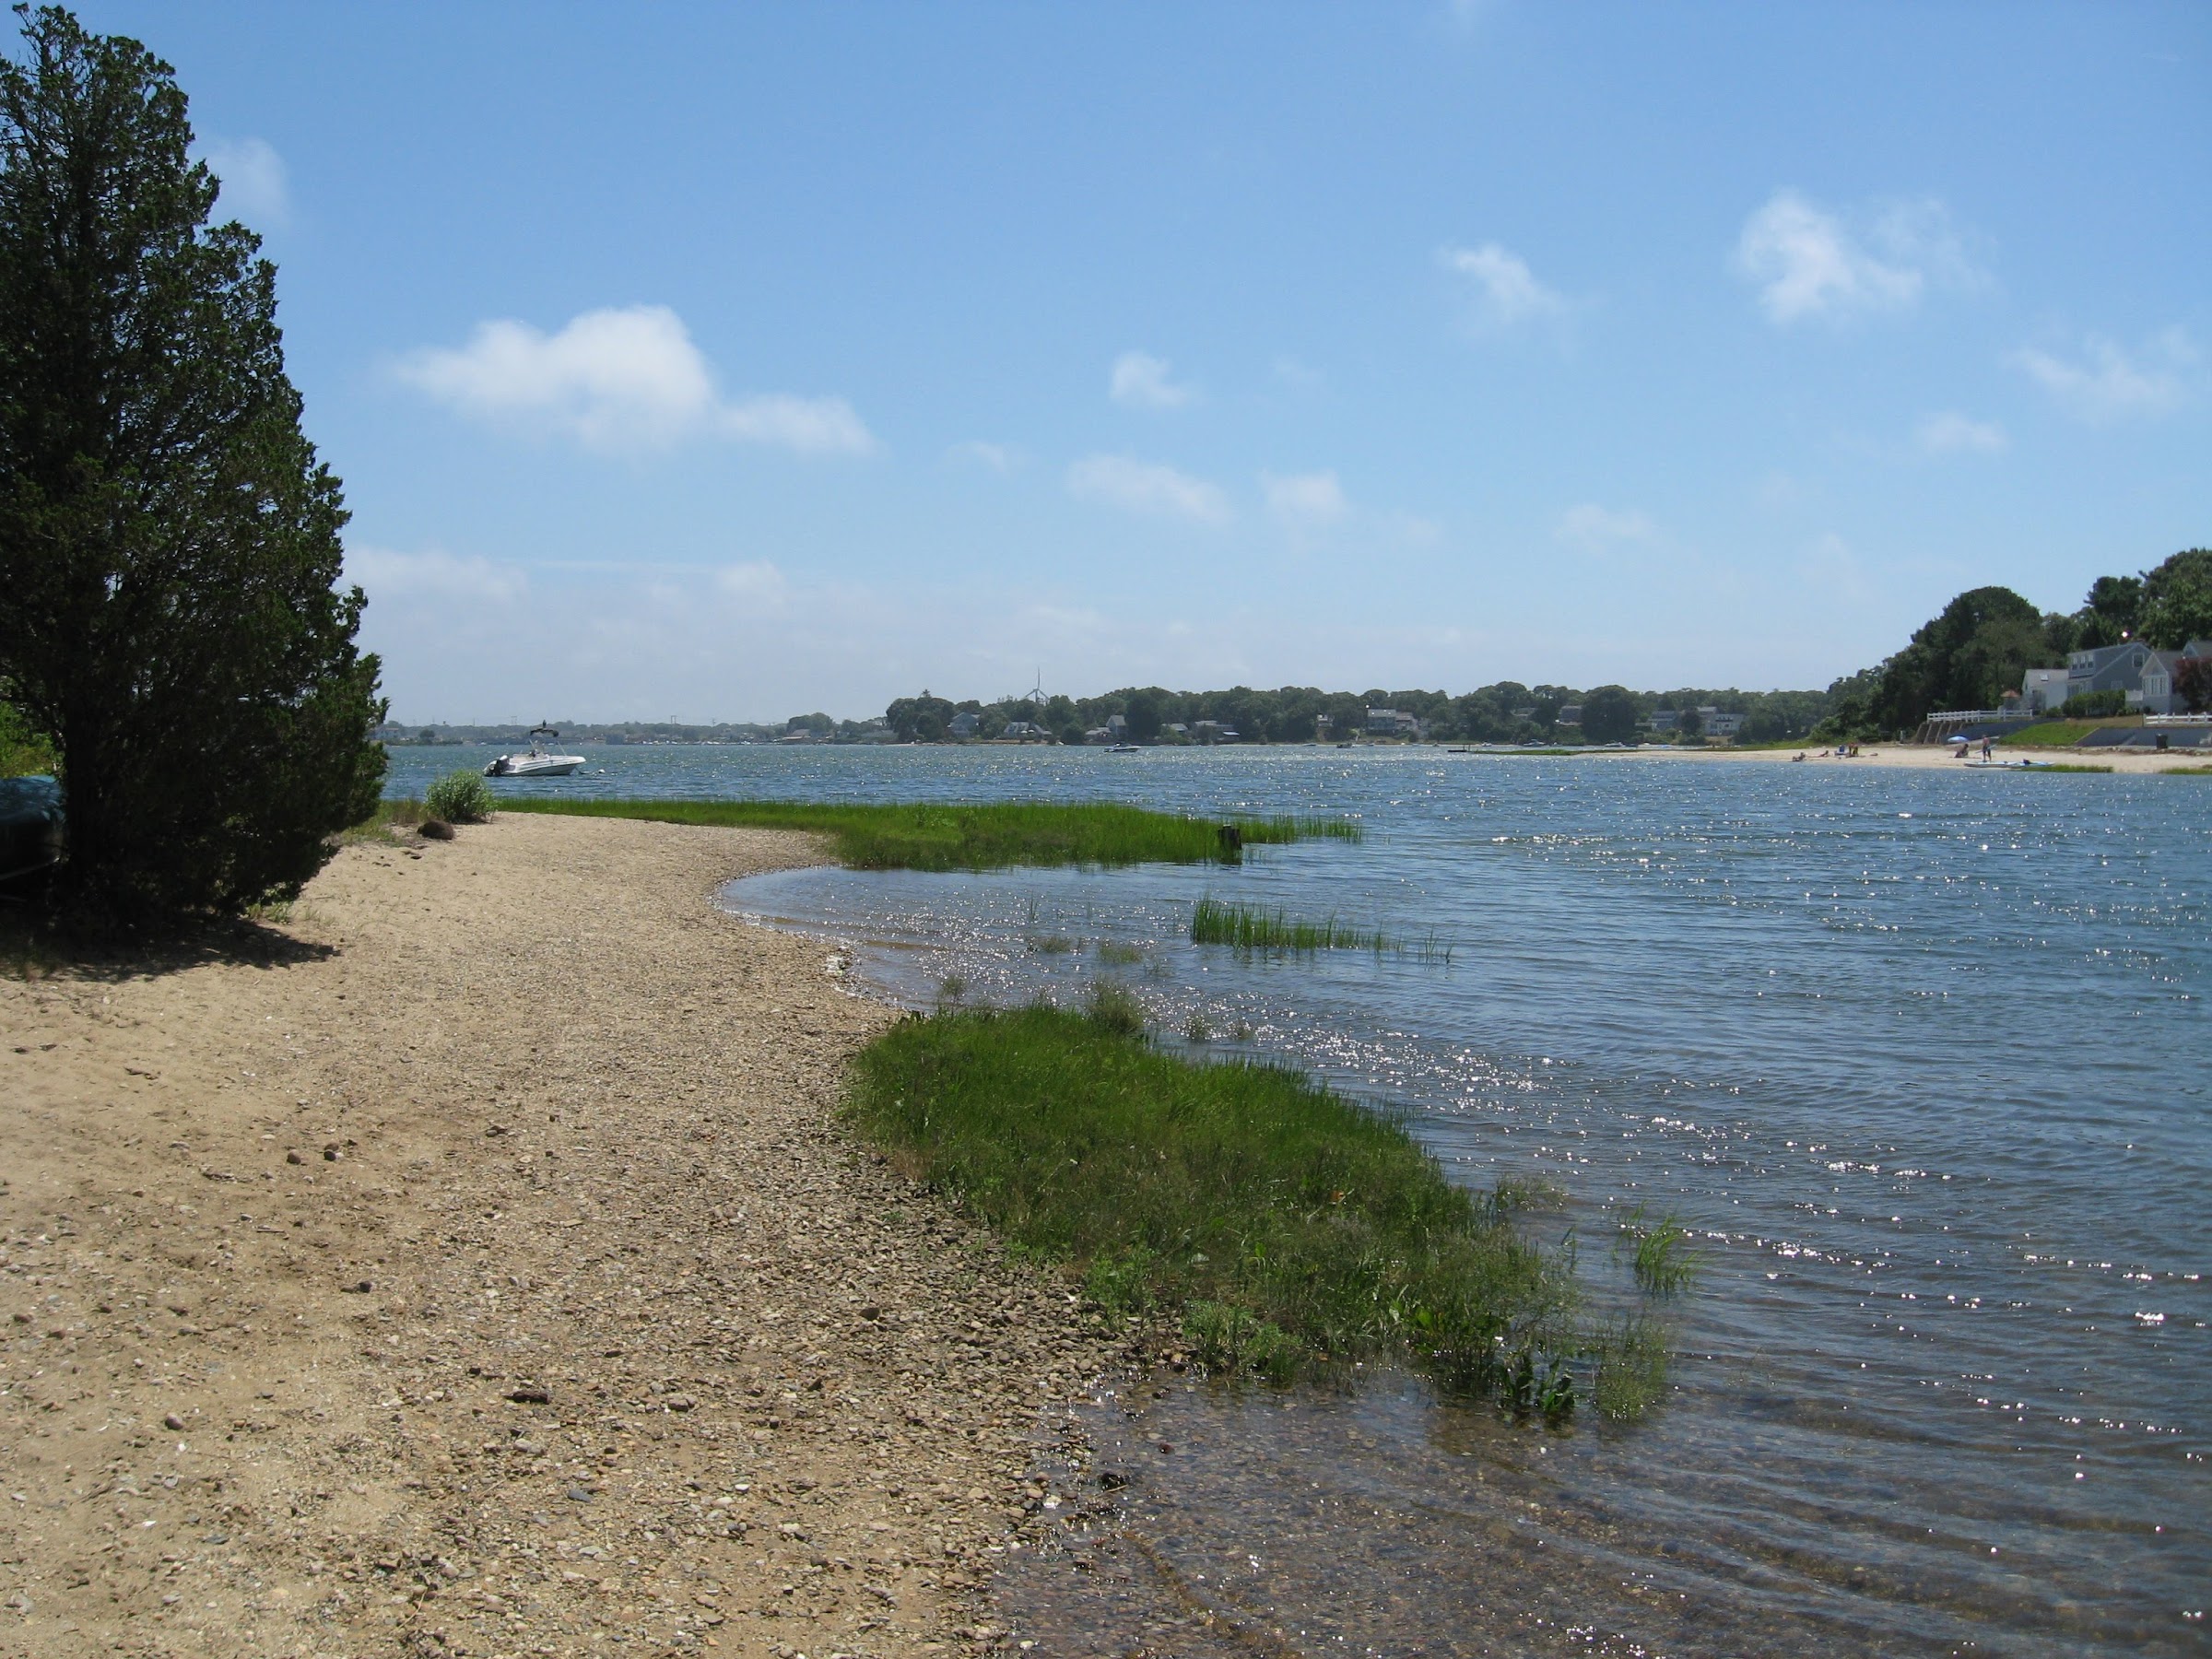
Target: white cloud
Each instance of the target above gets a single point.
(2105, 382)
(757, 584)
(1304, 500)
(1504, 291)
(1139, 381)
(811, 426)
(1951, 433)
(1809, 262)
(1596, 529)
(1147, 487)
(998, 457)
(434, 574)
(256, 185)
(621, 379)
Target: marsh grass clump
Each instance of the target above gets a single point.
(1250, 1196)
(1196, 1028)
(1230, 1342)
(1627, 1359)
(1114, 953)
(1051, 944)
(995, 835)
(1664, 1255)
(460, 797)
(1249, 927)
(1516, 1196)
(1111, 1008)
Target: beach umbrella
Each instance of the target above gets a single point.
(1957, 740)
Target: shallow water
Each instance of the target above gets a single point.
(1922, 1057)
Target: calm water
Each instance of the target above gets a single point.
(1922, 1057)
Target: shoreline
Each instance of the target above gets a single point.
(483, 1268)
(1922, 758)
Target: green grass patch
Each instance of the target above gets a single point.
(390, 815)
(1249, 927)
(2062, 767)
(1281, 1224)
(985, 837)
(2059, 733)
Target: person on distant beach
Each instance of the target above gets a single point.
(1984, 748)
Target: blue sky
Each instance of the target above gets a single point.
(724, 362)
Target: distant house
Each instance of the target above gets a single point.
(1212, 731)
(1324, 728)
(962, 724)
(1392, 723)
(1026, 730)
(1118, 728)
(1568, 714)
(2109, 668)
(1100, 735)
(1720, 724)
(2157, 680)
(2042, 691)
(1664, 720)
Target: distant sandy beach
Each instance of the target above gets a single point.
(1923, 757)
(478, 1269)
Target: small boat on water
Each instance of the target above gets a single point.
(1122, 749)
(537, 762)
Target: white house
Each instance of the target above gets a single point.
(1392, 723)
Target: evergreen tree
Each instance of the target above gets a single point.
(169, 541)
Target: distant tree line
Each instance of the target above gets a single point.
(1980, 644)
(1507, 711)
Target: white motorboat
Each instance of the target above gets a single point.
(537, 762)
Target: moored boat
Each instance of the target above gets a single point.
(535, 762)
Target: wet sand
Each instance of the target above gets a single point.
(475, 1268)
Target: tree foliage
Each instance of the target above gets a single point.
(2192, 680)
(1609, 715)
(169, 541)
(2177, 600)
(1967, 656)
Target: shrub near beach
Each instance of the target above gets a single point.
(460, 797)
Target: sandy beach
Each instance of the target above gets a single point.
(475, 1268)
(2121, 762)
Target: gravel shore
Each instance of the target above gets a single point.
(473, 1266)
